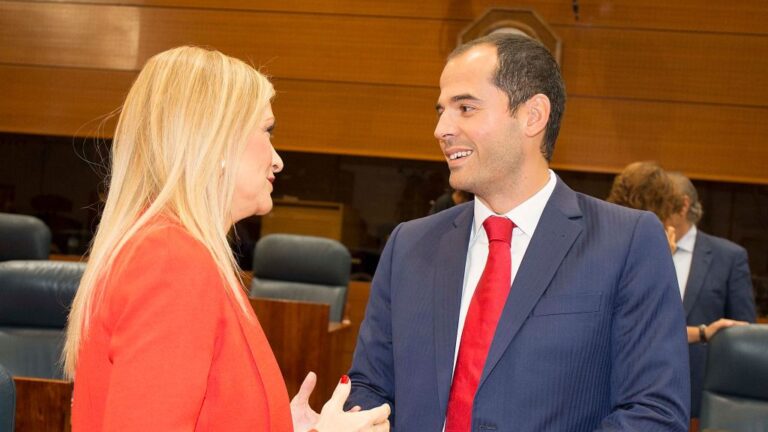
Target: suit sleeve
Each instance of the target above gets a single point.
(740, 304)
(372, 373)
(649, 374)
(165, 311)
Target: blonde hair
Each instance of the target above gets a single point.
(188, 114)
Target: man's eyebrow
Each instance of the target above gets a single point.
(458, 98)
(463, 97)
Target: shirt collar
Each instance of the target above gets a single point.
(688, 241)
(525, 216)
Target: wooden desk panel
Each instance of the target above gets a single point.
(304, 218)
(67, 258)
(357, 301)
(298, 333)
(43, 405)
(332, 220)
(303, 341)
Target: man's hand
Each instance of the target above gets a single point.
(721, 324)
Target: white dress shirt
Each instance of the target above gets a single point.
(683, 257)
(525, 216)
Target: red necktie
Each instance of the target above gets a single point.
(480, 324)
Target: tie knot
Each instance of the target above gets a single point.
(499, 229)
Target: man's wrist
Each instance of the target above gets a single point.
(703, 333)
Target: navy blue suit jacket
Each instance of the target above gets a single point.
(719, 286)
(591, 336)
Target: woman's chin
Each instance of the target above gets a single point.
(264, 208)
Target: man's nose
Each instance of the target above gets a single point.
(445, 128)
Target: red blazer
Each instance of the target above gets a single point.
(170, 350)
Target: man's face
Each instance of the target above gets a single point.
(478, 135)
(679, 220)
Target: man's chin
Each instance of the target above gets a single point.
(458, 183)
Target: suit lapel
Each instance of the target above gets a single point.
(558, 228)
(702, 258)
(451, 261)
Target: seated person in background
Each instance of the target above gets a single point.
(449, 199)
(161, 335)
(715, 282)
(727, 290)
(646, 186)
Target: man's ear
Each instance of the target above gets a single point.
(686, 205)
(537, 110)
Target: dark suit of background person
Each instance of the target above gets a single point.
(448, 200)
(718, 285)
(590, 337)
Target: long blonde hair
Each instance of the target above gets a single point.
(188, 115)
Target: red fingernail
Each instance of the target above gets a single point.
(344, 379)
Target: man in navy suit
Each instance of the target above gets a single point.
(714, 279)
(589, 336)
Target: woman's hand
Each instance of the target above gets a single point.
(334, 419)
(304, 417)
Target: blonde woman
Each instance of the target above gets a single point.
(161, 336)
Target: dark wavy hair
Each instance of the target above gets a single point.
(646, 186)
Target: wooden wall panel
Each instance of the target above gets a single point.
(704, 141)
(677, 66)
(707, 141)
(321, 47)
(62, 35)
(674, 66)
(736, 16)
(319, 117)
(646, 79)
(366, 119)
(60, 101)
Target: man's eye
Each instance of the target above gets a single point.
(466, 108)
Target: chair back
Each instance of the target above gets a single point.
(736, 380)
(23, 238)
(303, 268)
(35, 297)
(7, 401)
